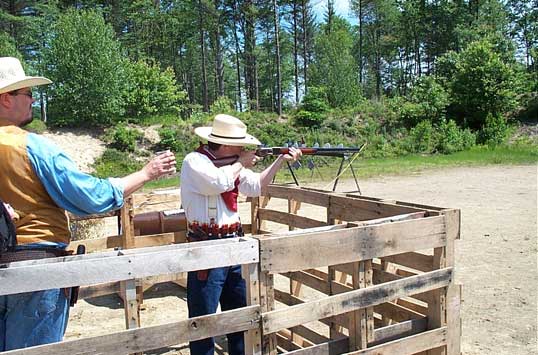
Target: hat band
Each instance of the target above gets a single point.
(226, 137)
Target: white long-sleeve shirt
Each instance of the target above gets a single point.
(200, 178)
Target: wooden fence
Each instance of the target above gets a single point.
(371, 277)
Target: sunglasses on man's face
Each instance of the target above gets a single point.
(26, 93)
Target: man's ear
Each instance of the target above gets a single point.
(6, 100)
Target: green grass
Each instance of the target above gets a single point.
(477, 156)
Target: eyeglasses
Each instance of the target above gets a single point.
(26, 93)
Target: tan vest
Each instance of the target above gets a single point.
(40, 218)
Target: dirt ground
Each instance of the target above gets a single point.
(496, 259)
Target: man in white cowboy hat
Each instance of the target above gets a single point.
(209, 195)
(40, 182)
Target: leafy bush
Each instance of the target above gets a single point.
(422, 138)
(114, 163)
(452, 138)
(481, 84)
(313, 108)
(495, 130)
(152, 91)
(36, 126)
(428, 101)
(222, 104)
(124, 138)
(178, 139)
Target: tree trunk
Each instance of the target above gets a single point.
(295, 53)
(219, 65)
(205, 97)
(237, 61)
(305, 47)
(278, 69)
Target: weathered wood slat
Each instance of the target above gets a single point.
(281, 254)
(412, 260)
(318, 198)
(409, 345)
(98, 268)
(358, 209)
(399, 330)
(100, 244)
(289, 219)
(350, 301)
(148, 338)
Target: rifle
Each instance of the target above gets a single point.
(321, 151)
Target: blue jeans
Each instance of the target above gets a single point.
(32, 318)
(223, 284)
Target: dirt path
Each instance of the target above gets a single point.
(496, 258)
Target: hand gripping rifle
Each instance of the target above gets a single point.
(321, 151)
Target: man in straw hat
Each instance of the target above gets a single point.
(40, 182)
(209, 195)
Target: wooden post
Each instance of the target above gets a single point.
(267, 303)
(253, 338)
(453, 297)
(254, 220)
(130, 292)
(361, 327)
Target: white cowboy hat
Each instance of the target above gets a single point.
(227, 130)
(12, 76)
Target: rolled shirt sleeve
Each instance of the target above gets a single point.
(71, 189)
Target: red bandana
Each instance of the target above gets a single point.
(229, 197)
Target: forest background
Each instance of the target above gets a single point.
(424, 77)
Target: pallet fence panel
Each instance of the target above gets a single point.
(386, 276)
(374, 277)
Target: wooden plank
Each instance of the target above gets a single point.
(396, 312)
(286, 343)
(253, 345)
(82, 270)
(148, 338)
(267, 304)
(340, 320)
(127, 225)
(409, 345)
(350, 301)
(333, 347)
(98, 290)
(289, 219)
(453, 320)
(309, 334)
(295, 338)
(430, 209)
(398, 331)
(309, 280)
(281, 254)
(412, 260)
(358, 209)
(254, 219)
(97, 244)
(318, 198)
(131, 304)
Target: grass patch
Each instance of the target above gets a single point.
(113, 163)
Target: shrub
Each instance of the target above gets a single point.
(222, 104)
(452, 139)
(428, 101)
(422, 138)
(313, 108)
(481, 84)
(152, 91)
(495, 130)
(115, 163)
(124, 138)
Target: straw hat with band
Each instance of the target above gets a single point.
(12, 76)
(227, 130)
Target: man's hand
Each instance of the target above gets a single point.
(248, 158)
(162, 164)
(293, 155)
